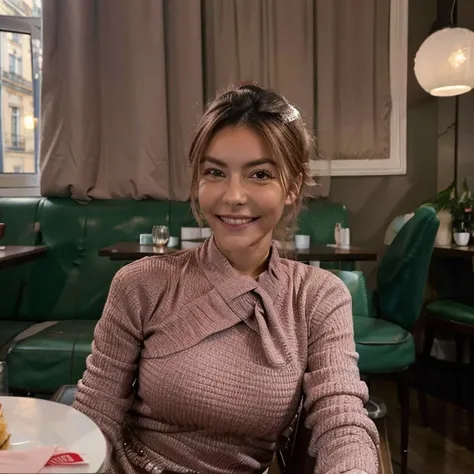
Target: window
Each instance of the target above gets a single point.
(15, 127)
(20, 65)
(15, 64)
(12, 62)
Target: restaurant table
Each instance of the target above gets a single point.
(323, 253)
(11, 255)
(134, 251)
(458, 256)
(34, 422)
(454, 251)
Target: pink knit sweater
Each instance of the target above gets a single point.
(220, 362)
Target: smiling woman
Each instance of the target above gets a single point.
(250, 157)
(201, 358)
(240, 194)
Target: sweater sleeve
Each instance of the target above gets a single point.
(105, 392)
(343, 436)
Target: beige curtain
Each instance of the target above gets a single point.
(124, 82)
(354, 101)
(122, 89)
(271, 42)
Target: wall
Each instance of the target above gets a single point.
(373, 201)
(446, 127)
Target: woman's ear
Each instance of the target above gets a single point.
(294, 192)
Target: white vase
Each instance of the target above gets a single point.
(444, 236)
(461, 238)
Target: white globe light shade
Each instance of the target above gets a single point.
(444, 65)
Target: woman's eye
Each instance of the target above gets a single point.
(262, 175)
(214, 173)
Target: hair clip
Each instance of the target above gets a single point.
(290, 115)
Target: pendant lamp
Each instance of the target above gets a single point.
(444, 64)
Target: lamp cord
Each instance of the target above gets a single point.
(453, 7)
(454, 20)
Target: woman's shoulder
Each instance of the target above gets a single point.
(144, 283)
(320, 294)
(314, 284)
(310, 276)
(148, 269)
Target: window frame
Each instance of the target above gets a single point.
(396, 164)
(26, 184)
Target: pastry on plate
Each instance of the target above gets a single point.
(4, 434)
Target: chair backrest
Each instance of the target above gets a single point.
(395, 226)
(403, 271)
(361, 296)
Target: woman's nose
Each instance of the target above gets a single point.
(235, 193)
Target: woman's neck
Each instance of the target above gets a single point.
(251, 262)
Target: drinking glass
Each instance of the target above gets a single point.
(160, 235)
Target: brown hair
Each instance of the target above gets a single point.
(277, 121)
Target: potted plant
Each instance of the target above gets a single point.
(461, 210)
(454, 212)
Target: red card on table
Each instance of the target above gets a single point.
(64, 458)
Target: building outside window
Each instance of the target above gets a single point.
(20, 64)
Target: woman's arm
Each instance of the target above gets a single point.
(105, 392)
(343, 436)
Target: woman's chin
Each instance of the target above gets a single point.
(239, 242)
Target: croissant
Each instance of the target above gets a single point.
(4, 434)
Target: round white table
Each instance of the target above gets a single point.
(34, 422)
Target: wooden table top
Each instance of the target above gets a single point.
(134, 251)
(454, 251)
(323, 253)
(11, 255)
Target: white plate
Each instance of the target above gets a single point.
(33, 422)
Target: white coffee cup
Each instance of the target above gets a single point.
(173, 242)
(461, 238)
(206, 232)
(302, 241)
(190, 233)
(345, 238)
(146, 239)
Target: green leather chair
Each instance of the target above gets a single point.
(20, 214)
(452, 312)
(362, 298)
(452, 315)
(383, 336)
(448, 316)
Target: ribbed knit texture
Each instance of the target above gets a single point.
(221, 362)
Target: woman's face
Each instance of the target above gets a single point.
(240, 192)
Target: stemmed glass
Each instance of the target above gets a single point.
(161, 236)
